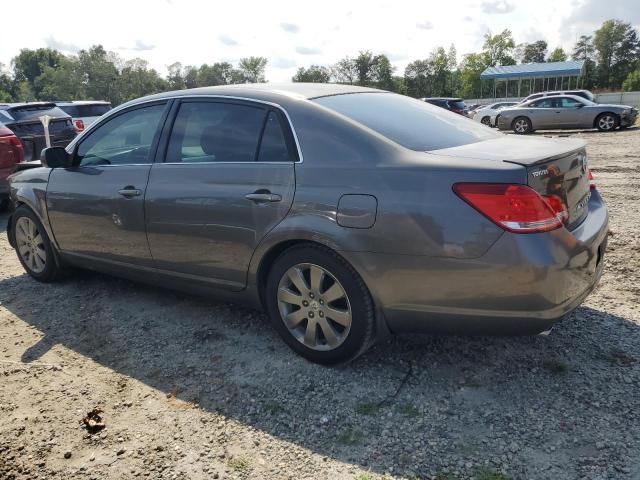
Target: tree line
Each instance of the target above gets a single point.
(611, 55)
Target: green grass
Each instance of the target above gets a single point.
(273, 408)
(473, 382)
(555, 366)
(444, 476)
(239, 464)
(368, 408)
(364, 476)
(486, 474)
(409, 410)
(350, 436)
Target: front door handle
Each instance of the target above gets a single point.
(130, 192)
(263, 197)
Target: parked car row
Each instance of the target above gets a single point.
(22, 134)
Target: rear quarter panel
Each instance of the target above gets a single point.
(29, 187)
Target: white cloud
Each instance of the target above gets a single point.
(194, 32)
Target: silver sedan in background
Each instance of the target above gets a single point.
(566, 111)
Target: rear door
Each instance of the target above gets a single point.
(228, 179)
(96, 208)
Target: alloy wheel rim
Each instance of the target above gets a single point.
(606, 122)
(314, 307)
(30, 244)
(521, 126)
(485, 121)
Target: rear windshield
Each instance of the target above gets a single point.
(412, 123)
(33, 112)
(459, 104)
(79, 111)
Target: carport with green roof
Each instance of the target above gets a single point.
(546, 75)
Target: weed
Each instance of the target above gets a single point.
(239, 464)
(368, 408)
(350, 437)
(555, 366)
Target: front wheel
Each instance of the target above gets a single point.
(522, 126)
(486, 121)
(319, 305)
(32, 244)
(607, 122)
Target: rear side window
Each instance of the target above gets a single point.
(215, 132)
(273, 146)
(412, 123)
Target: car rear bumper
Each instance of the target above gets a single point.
(522, 285)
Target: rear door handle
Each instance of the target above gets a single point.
(130, 192)
(263, 197)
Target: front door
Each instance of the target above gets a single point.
(96, 208)
(227, 180)
(571, 112)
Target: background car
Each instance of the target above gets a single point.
(455, 105)
(487, 114)
(24, 120)
(84, 112)
(345, 212)
(578, 93)
(11, 153)
(565, 111)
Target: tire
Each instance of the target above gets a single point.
(486, 121)
(326, 331)
(522, 126)
(607, 122)
(33, 247)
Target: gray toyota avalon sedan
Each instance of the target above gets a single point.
(346, 213)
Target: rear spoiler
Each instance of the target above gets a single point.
(25, 107)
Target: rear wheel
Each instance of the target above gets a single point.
(522, 126)
(319, 305)
(33, 246)
(486, 121)
(607, 122)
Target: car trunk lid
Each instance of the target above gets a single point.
(555, 167)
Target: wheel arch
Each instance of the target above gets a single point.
(595, 120)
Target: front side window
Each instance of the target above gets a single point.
(123, 140)
(215, 132)
(409, 122)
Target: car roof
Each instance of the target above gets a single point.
(553, 97)
(261, 90)
(457, 99)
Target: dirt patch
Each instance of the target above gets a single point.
(192, 389)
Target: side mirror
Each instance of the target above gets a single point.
(580, 105)
(55, 157)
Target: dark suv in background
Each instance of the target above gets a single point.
(455, 105)
(23, 119)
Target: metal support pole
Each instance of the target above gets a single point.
(519, 83)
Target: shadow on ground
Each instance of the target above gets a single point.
(402, 407)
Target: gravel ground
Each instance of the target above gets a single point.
(193, 389)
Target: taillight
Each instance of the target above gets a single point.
(513, 207)
(79, 124)
(592, 182)
(557, 206)
(15, 148)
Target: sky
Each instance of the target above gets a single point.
(300, 33)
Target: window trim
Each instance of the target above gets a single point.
(153, 148)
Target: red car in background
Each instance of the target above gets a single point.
(11, 153)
